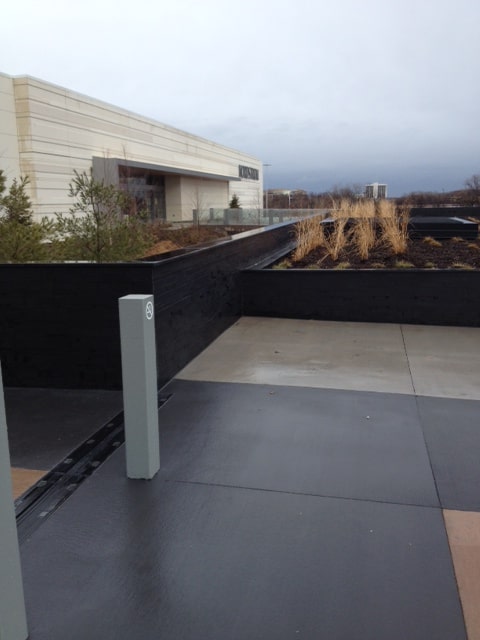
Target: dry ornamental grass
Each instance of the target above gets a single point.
(374, 235)
(310, 235)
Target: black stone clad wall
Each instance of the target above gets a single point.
(197, 296)
(412, 297)
(59, 323)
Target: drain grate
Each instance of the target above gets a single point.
(49, 493)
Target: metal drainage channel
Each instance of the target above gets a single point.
(49, 493)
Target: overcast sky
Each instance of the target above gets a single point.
(335, 92)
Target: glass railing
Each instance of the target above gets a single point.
(252, 217)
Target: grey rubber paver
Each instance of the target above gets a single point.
(189, 555)
(45, 425)
(166, 560)
(279, 511)
(452, 433)
(325, 442)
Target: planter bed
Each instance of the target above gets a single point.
(59, 322)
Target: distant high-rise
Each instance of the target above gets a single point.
(375, 190)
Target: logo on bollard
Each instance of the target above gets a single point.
(149, 310)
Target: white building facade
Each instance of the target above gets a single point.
(48, 132)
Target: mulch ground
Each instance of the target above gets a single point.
(451, 254)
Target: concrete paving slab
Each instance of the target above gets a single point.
(452, 434)
(316, 441)
(44, 425)
(463, 529)
(307, 353)
(160, 560)
(444, 361)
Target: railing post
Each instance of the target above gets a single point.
(13, 619)
(140, 394)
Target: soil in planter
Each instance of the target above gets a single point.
(455, 253)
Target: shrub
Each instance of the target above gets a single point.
(16, 205)
(234, 202)
(21, 239)
(97, 227)
(24, 242)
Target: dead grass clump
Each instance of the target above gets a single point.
(185, 236)
(473, 246)
(430, 265)
(386, 209)
(462, 265)
(284, 264)
(352, 209)
(161, 247)
(363, 209)
(342, 265)
(336, 238)
(310, 235)
(431, 241)
(364, 236)
(393, 227)
(404, 264)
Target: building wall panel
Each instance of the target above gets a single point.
(60, 130)
(9, 154)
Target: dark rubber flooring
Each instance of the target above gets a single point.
(452, 432)
(45, 425)
(346, 444)
(279, 512)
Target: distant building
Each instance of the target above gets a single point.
(375, 190)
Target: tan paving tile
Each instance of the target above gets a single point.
(463, 529)
(23, 479)
(309, 353)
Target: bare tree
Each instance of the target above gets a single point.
(472, 185)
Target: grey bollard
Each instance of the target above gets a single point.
(140, 394)
(13, 619)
